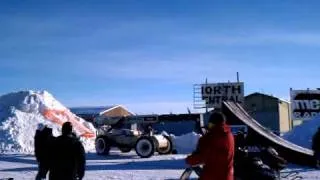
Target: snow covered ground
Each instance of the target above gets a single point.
(119, 166)
(115, 166)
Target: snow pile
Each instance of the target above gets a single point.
(20, 112)
(302, 134)
(187, 143)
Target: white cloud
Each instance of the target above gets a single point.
(254, 38)
(184, 68)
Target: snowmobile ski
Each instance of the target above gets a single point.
(188, 171)
(291, 175)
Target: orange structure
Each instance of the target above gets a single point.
(61, 116)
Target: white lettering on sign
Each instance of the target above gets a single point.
(215, 94)
(305, 115)
(313, 104)
(305, 104)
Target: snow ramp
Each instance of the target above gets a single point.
(259, 135)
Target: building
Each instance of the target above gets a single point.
(271, 112)
(89, 113)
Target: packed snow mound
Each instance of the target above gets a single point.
(187, 143)
(30, 101)
(302, 134)
(20, 113)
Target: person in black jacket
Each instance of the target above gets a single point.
(271, 157)
(68, 161)
(42, 144)
(260, 171)
(240, 139)
(316, 147)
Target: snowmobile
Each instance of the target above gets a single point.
(243, 161)
(258, 169)
(265, 165)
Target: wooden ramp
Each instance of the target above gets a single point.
(259, 135)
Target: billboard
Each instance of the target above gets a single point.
(214, 94)
(305, 104)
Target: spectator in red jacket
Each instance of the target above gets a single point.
(215, 150)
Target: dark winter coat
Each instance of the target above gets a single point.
(271, 158)
(240, 140)
(216, 151)
(68, 159)
(42, 145)
(259, 171)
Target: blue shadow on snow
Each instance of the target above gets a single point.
(18, 158)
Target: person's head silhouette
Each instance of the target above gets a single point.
(66, 128)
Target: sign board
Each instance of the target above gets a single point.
(215, 94)
(305, 104)
(104, 120)
(143, 119)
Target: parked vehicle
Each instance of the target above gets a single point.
(145, 143)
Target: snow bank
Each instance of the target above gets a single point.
(187, 143)
(20, 112)
(302, 134)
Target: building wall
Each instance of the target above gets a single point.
(284, 113)
(268, 119)
(118, 111)
(264, 109)
(261, 103)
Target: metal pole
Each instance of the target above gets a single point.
(290, 109)
(238, 77)
(206, 102)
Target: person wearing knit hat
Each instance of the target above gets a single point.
(215, 150)
(66, 128)
(216, 118)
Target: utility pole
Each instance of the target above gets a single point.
(238, 77)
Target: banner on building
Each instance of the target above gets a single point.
(214, 94)
(305, 104)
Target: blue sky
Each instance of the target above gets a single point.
(147, 55)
